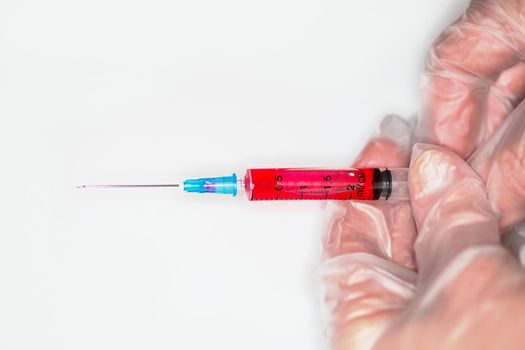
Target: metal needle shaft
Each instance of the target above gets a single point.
(128, 186)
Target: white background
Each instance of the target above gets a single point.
(155, 91)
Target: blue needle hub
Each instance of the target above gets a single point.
(222, 185)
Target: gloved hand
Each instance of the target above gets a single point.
(474, 77)
(369, 275)
(469, 292)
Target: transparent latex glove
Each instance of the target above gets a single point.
(367, 250)
(369, 265)
(474, 76)
(500, 162)
(469, 292)
(382, 228)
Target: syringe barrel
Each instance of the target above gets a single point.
(326, 184)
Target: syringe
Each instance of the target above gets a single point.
(301, 184)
